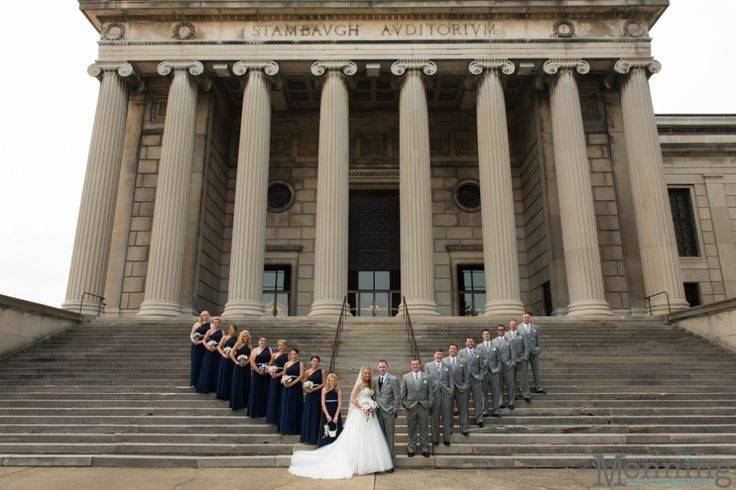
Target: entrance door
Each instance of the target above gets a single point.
(374, 281)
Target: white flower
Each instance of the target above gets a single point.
(227, 350)
(212, 343)
(308, 385)
(242, 358)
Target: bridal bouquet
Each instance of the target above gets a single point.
(287, 379)
(308, 385)
(242, 358)
(368, 407)
(274, 369)
(212, 343)
(197, 336)
(227, 350)
(262, 368)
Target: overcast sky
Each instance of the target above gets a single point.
(48, 104)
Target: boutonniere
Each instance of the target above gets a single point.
(424, 381)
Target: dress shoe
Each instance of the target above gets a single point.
(511, 407)
(497, 415)
(411, 454)
(541, 390)
(503, 406)
(390, 471)
(481, 424)
(466, 433)
(425, 454)
(447, 443)
(435, 443)
(527, 399)
(485, 414)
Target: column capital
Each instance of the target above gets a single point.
(553, 66)
(123, 69)
(427, 67)
(477, 67)
(625, 65)
(269, 67)
(346, 67)
(195, 68)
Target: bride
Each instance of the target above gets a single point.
(359, 449)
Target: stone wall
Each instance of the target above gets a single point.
(715, 322)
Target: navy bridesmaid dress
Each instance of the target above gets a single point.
(225, 372)
(259, 384)
(331, 405)
(240, 385)
(196, 356)
(292, 405)
(312, 410)
(274, 392)
(206, 383)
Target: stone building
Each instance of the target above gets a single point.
(474, 157)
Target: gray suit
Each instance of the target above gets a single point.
(507, 359)
(459, 375)
(442, 390)
(535, 348)
(520, 346)
(486, 385)
(494, 368)
(388, 398)
(474, 365)
(417, 398)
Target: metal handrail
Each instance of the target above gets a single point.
(338, 334)
(100, 302)
(649, 302)
(410, 331)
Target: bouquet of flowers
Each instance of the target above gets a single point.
(262, 368)
(287, 379)
(242, 358)
(308, 385)
(212, 343)
(227, 350)
(368, 407)
(274, 369)
(197, 336)
(329, 432)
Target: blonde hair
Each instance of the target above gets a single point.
(370, 379)
(240, 341)
(218, 319)
(331, 377)
(204, 312)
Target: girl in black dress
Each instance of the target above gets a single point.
(196, 337)
(207, 382)
(240, 384)
(292, 400)
(331, 408)
(225, 369)
(276, 370)
(259, 379)
(312, 402)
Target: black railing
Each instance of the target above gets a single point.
(649, 301)
(100, 302)
(338, 334)
(410, 332)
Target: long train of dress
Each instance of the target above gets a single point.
(359, 450)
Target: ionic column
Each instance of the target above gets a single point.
(659, 257)
(579, 231)
(331, 242)
(500, 256)
(415, 188)
(97, 210)
(245, 286)
(168, 235)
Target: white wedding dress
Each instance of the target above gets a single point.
(360, 449)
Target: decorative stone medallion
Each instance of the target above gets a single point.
(467, 196)
(634, 28)
(113, 31)
(280, 197)
(564, 29)
(183, 31)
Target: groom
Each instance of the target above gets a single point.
(387, 394)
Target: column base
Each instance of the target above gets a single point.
(419, 307)
(659, 307)
(591, 308)
(87, 309)
(504, 308)
(242, 309)
(156, 308)
(326, 308)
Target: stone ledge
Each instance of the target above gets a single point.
(22, 305)
(703, 310)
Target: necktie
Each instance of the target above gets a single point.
(453, 362)
(380, 383)
(439, 366)
(416, 378)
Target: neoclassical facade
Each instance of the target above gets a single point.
(481, 157)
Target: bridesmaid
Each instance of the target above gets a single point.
(240, 384)
(276, 370)
(312, 403)
(196, 336)
(259, 379)
(208, 373)
(331, 407)
(225, 368)
(292, 401)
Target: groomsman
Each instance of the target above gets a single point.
(473, 363)
(520, 346)
(484, 348)
(417, 399)
(507, 358)
(459, 375)
(529, 330)
(494, 369)
(388, 397)
(442, 390)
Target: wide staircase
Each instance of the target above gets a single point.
(114, 392)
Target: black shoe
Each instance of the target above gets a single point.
(503, 406)
(435, 443)
(527, 399)
(497, 415)
(485, 414)
(541, 390)
(425, 454)
(511, 407)
(481, 425)
(447, 443)
(390, 471)
(466, 433)
(411, 454)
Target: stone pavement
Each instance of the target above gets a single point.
(12, 478)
